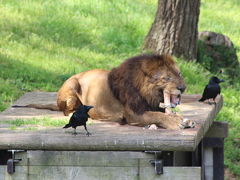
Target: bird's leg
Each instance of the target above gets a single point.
(214, 102)
(74, 132)
(209, 102)
(88, 133)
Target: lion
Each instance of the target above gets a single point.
(131, 93)
(141, 91)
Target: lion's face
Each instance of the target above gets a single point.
(167, 79)
(172, 84)
(170, 79)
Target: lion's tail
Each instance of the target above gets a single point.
(51, 107)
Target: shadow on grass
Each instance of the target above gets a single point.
(27, 77)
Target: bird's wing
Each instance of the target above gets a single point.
(79, 117)
(205, 92)
(84, 118)
(73, 117)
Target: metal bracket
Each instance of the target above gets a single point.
(158, 165)
(11, 162)
(157, 162)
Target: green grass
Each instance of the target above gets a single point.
(45, 122)
(222, 17)
(36, 123)
(43, 42)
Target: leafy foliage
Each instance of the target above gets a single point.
(219, 59)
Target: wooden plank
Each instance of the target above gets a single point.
(84, 158)
(34, 141)
(32, 98)
(99, 173)
(106, 135)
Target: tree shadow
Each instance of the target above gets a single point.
(26, 77)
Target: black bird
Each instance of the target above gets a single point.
(79, 118)
(212, 89)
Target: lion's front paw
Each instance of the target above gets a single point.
(187, 123)
(173, 122)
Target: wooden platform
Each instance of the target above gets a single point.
(106, 135)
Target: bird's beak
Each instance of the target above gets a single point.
(221, 80)
(89, 107)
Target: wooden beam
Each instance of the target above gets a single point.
(218, 129)
(119, 142)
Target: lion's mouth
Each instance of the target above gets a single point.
(175, 100)
(171, 100)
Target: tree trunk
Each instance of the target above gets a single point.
(174, 30)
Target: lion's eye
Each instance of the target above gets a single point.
(167, 78)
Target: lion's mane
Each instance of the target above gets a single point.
(134, 74)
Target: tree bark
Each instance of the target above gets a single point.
(175, 29)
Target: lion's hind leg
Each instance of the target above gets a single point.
(69, 105)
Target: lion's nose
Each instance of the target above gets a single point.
(181, 88)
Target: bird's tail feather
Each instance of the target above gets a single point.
(67, 126)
